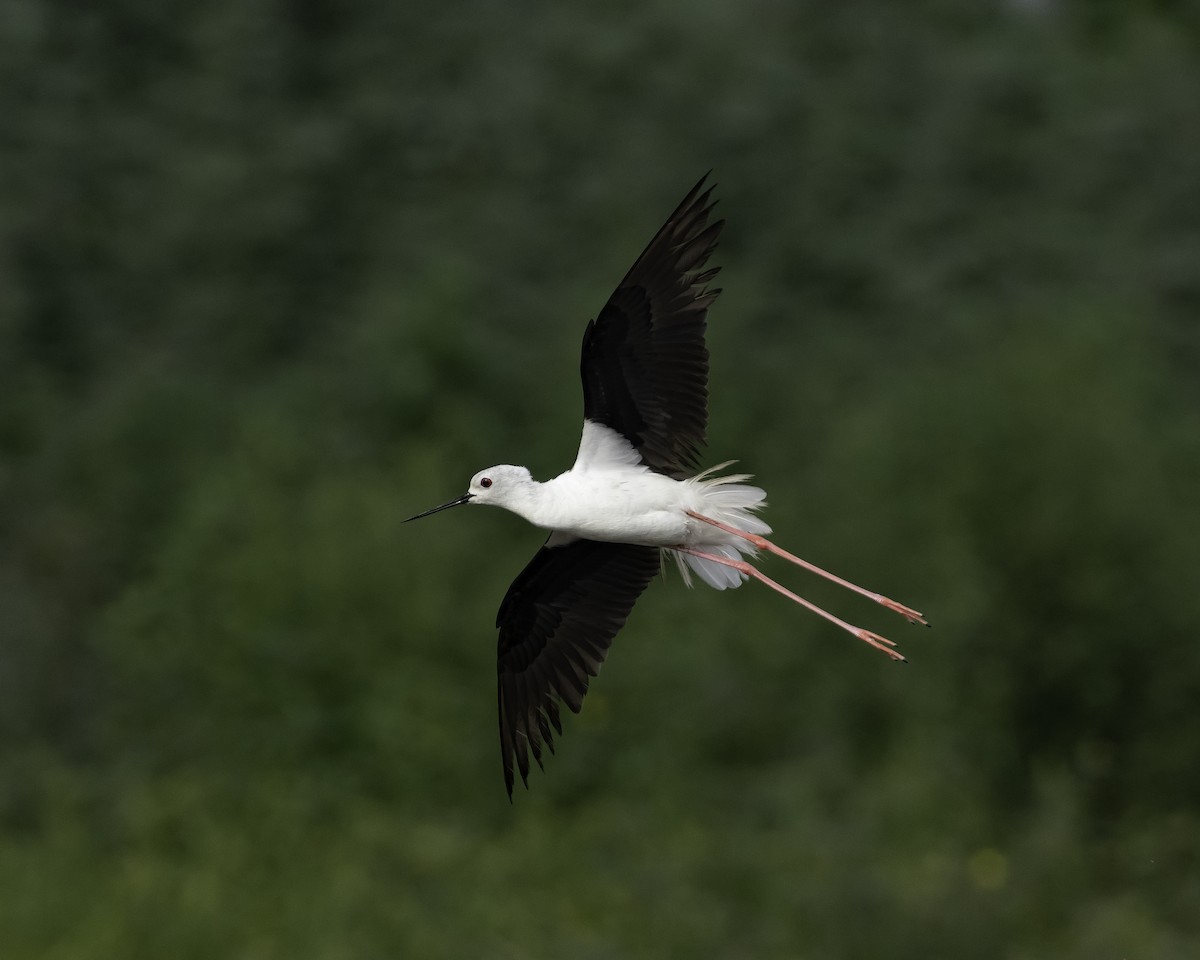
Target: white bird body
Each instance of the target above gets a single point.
(609, 496)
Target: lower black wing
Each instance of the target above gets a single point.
(556, 623)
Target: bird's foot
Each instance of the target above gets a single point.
(880, 643)
(909, 614)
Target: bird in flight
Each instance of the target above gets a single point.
(633, 495)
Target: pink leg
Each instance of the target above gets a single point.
(874, 639)
(763, 544)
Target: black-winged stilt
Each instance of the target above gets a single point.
(631, 496)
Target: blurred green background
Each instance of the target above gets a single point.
(275, 275)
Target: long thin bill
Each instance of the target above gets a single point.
(445, 506)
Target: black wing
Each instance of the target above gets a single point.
(556, 623)
(645, 365)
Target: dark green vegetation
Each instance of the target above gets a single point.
(274, 276)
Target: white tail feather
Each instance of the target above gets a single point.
(731, 501)
(716, 575)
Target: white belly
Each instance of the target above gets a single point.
(646, 508)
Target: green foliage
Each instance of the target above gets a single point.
(274, 277)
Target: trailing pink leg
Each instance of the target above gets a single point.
(874, 639)
(764, 544)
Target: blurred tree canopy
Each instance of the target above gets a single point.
(275, 275)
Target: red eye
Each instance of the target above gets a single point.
(485, 482)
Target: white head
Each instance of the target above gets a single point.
(499, 486)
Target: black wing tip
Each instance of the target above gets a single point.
(696, 202)
(510, 782)
(700, 184)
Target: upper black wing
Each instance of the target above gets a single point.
(645, 365)
(556, 623)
